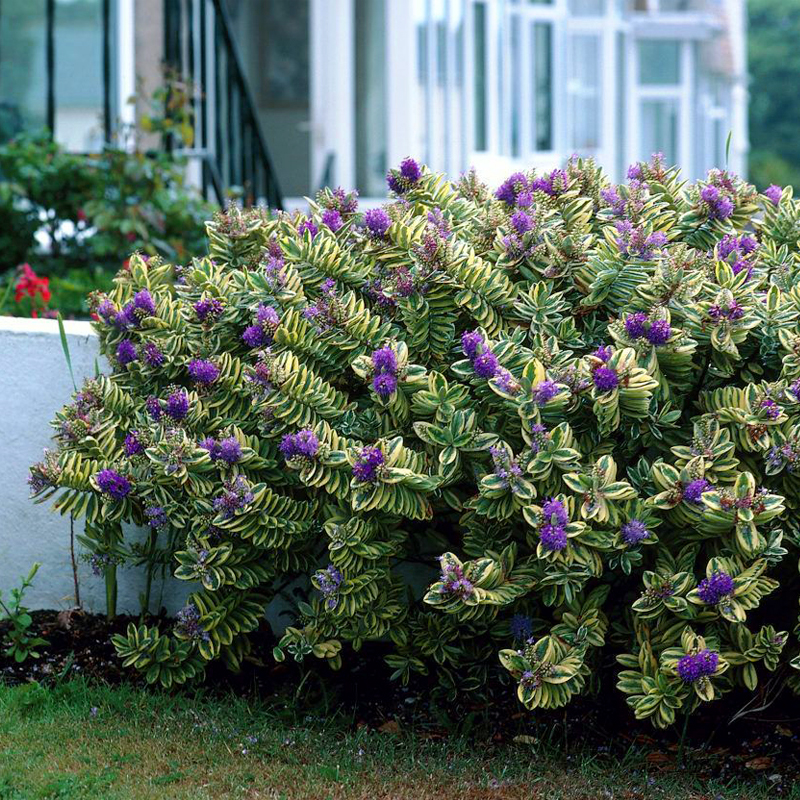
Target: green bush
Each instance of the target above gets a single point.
(584, 396)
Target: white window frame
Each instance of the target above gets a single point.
(681, 93)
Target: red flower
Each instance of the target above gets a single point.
(30, 285)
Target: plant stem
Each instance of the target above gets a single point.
(683, 737)
(75, 581)
(111, 591)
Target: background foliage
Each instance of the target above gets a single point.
(75, 218)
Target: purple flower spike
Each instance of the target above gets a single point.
(203, 371)
(126, 352)
(635, 324)
(177, 405)
(693, 491)
(369, 461)
(113, 484)
(377, 222)
(486, 364)
(605, 379)
(714, 589)
(634, 531)
(384, 384)
(659, 332)
(470, 342)
(253, 336)
(774, 194)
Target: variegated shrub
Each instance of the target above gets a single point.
(583, 399)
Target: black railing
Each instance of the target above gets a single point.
(229, 142)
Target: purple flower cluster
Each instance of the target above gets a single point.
(484, 361)
(303, 444)
(635, 241)
(716, 204)
(539, 437)
(261, 331)
(516, 190)
(377, 222)
(402, 180)
(208, 309)
(730, 313)
(228, 450)
(156, 516)
(235, 496)
(692, 667)
(453, 580)
(605, 379)
(604, 352)
(656, 332)
(369, 461)
(544, 391)
(327, 311)
(126, 352)
(634, 531)
(332, 218)
(736, 250)
(203, 371)
(113, 484)
(151, 355)
(188, 626)
(553, 533)
(384, 364)
(132, 445)
(505, 467)
(177, 405)
(521, 222)
(100, 561)
(553, 184)
(307, 225)
(329, 581)
(612, 198)
(693, 491)
(714, 589)
(770, 408)
(773, 194)
(131, 315)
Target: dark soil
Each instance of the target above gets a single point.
(764, 742)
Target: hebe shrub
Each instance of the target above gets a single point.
(582, 398)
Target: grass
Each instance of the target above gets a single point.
(76, 740)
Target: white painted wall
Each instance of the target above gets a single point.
(34, 384)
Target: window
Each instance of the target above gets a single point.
(659, 129)
(479, 76)
(542, 105)
(587, 8)
(371, 112)
(659, 62)
(583, 89)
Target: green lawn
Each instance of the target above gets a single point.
(80, 741)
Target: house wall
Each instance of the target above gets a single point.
(34, 383)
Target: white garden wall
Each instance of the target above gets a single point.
(34, 383)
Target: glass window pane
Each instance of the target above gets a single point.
(371, 134)
(516, 86)
(583, 87)
(79, 74)
(23, 67)
(659, 62)
(659, 132)
(587, 8)
(479, 85)
(542, 37)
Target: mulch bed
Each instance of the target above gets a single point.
(766, 743)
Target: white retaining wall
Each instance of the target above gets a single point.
(35, 383)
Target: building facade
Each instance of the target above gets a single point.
(339, 90)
